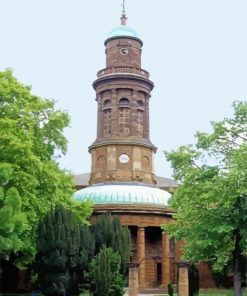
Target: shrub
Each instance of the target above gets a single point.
(170, 289)
(104, 276)
(108, 231)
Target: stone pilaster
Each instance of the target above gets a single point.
(165, 260)
(141, 255)
(133, 279)
(183, 279)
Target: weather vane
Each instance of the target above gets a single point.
(123, 17)
(123, 4)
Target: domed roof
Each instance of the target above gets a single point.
(124, 193)
(123, 30)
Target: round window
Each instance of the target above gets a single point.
(124, 158)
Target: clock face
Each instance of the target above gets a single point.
(124, 158)
(124, 50)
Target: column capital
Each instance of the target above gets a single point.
(183, 263)
(164, 233)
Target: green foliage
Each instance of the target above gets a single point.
(64, 248)
(193, 280)
(12, 220)
(211, 202)
(104, 274)
(108, 231)
(170, 289)
(31, 140)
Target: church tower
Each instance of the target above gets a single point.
(122, 151)
(122, 180)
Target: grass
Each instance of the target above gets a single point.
(203, 292)
(206, 292)
(214, 292)
(219, 292)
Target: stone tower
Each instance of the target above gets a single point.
(122, 180)
(122, 151)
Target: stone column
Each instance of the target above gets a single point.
(133, 279)
(183, 279)
(141, 255)
(165, 260)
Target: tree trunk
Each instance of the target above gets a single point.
(236, 266)
(237, 283)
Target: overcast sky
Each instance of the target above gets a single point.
(195, 51)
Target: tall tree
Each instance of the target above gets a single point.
(31, 140)
(109, 232)
(211, 202)
(64, 249)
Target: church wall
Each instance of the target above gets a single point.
(107, 167)
(205, 276)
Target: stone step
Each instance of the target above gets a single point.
(152, 291)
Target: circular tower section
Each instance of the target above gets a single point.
(122, 151)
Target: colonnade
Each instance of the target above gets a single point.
(141, 258)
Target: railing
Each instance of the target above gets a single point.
(123, 70)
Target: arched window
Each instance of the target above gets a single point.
(124, 102)
(145, 161)
(107, 103)
(140, 103)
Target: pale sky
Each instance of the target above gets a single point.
(195, 51)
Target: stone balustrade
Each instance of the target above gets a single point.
(123, 70)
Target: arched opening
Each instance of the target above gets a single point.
(107, 103)
(140, 103)
(124, 102)
(145, 161)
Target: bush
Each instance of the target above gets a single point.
(170, 289)
(104, 276)
(108, 231)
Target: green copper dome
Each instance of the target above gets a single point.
(123, 30)
(123, 194)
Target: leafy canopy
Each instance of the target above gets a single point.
(211, 202)
(31, 140)
(12, 220)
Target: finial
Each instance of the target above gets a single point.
(123, 6)
(123, 17)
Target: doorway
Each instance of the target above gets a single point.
(159, 273)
